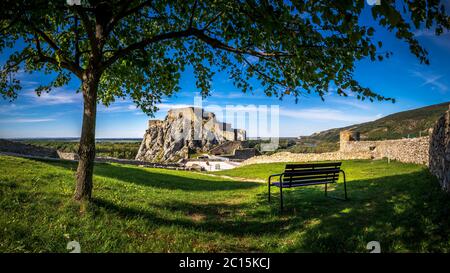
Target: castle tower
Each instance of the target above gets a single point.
(346, 136)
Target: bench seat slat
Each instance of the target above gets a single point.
(310, 177)
(324, 170)
(305, 183)
(310, 172)
(313, 165)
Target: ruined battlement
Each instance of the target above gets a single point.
(185, 130)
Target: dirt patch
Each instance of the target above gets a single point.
(197, 217)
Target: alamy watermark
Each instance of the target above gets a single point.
(73, 2)
(374, 247)
(373, 2)
(74, 246)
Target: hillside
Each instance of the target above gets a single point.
(413, 123)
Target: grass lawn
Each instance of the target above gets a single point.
(155, 210)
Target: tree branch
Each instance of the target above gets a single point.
(191, 19)
(89, 29)
(47, 59)
(262, 74)
(77, 46)
(124, 13)
(215, 43)
(145, 42)
(212, 20)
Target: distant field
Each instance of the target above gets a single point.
(156, 210)
(124, 149)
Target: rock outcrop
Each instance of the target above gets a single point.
(184, 131)
(440, 151)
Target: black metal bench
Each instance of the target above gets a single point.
(297, 175)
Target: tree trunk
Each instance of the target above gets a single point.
(86, 151)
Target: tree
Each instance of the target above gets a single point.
(138, 48)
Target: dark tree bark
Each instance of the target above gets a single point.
(86, 150)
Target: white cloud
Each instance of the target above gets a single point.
(442, 40)
(351, 102)
(431, 79)
(317, 114)
(55, 97)
(26, 120)
(126, 106)
(168, 106)
(116, 108)
(326, 114)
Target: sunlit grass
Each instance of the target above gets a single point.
(156, 210)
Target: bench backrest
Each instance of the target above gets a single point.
(313, 173)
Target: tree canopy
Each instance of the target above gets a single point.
(140, 48)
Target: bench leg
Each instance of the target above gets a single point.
(345, 190)
(281, 197)
(345, 187)
(269, 192)
(326, 188)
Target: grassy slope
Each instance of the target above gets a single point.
(138, 210)
(394, 126)
(123, 150)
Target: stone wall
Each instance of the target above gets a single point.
(440, 151)
(245, 153)
(226, 148)
(410, 150)
(414, 150)
(305, 157)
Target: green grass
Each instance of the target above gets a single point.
(355, 169)
(142, 210)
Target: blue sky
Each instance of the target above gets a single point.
(59, 113)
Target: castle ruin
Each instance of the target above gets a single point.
(184, 131)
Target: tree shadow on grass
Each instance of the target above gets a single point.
(404, 212)
(171, 180)
(218, 217)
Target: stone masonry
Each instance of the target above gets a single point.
(407, 150)
(414, 150)
(440, 151)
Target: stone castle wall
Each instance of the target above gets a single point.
(440, 151)
(409, 150)
(305, 157)
(414, 150)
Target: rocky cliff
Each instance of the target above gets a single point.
(184, 131)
